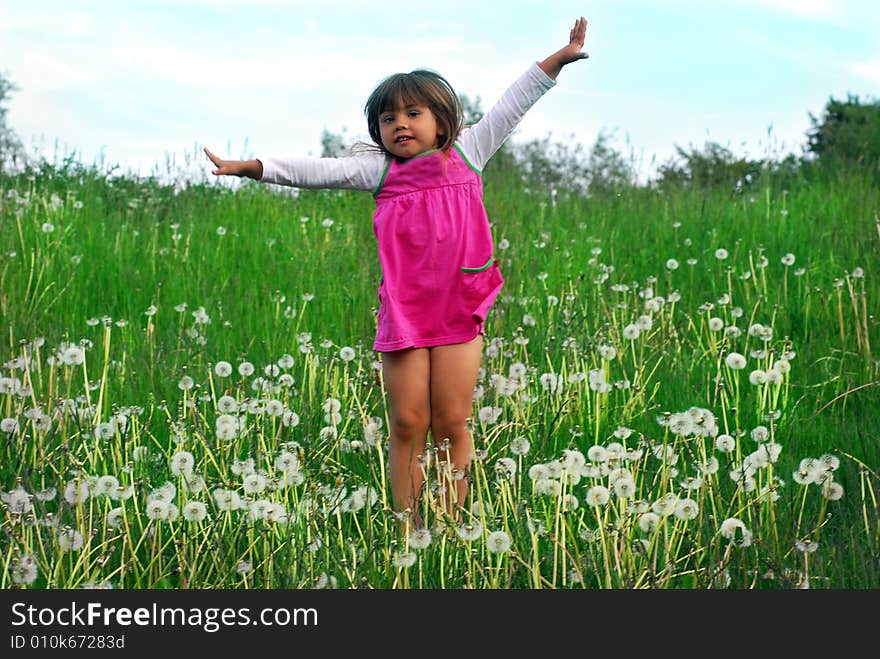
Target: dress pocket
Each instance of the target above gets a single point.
(480, 286)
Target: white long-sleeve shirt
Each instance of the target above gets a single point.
(478, 143)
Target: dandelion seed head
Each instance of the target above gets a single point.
(17, 500)
(758, 377)
(624, 487)
(9, 425)
(665, 505)
(735, 361)
(182, 463)
(419, 539)
(254, 483)
(520, 446)
(760, 433)
(782, 366)
(498, 542)
(631, 332)
(687, 509)
(735, 530)
(69, 539)
(488, 415)
(505, 469)
(597, 453)
(832, 490)
(598, 495)
(195, 511)
(648, 522)
(806, 546)
(681, 424)
(24, 570)
(404, 560)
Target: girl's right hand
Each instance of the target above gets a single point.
(250, 168)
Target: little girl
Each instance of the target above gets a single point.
(439, 273)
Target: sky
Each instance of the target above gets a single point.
(144, 85)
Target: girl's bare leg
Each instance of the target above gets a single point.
(407, 381)
(453, 374)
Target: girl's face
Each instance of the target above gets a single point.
(408, 131)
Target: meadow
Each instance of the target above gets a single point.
(679, 390)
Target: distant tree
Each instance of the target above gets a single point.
(10, 146)
(334, 145)
(608, 169)
(471, 108)
(568, 166)
(713, 166)
(848, 131)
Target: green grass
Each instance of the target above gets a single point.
(120, 246)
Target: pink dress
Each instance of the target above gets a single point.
(440, 277)
(439, 273)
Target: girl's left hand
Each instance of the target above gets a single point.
(574, 51)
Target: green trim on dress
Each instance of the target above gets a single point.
(481, 268)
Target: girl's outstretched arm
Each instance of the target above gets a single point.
(573, 52)
(361, 172)
(250, 168)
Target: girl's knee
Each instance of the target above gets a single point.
(410, 424)
(449, 426)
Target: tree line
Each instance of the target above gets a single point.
(846, 135)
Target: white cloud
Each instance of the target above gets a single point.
(868, 71)
(815, 9)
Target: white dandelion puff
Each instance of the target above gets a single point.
(115, 517)
(687, 509)
(274, 407)
(598, 495)
(648, 522)
(23, 570)
(17, 500)
(195, 511)
(9, 425)
(832, 490)
(625, 487)
(182, 463)
(469, 531)
(70, 539)
(254, 483)
(725, 443)
(735, 530)
(404, 560)
(760, 434)
(520, 446)
(631, 332)
(498, 542)
(419, 539)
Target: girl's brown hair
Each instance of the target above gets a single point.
(421, 87)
